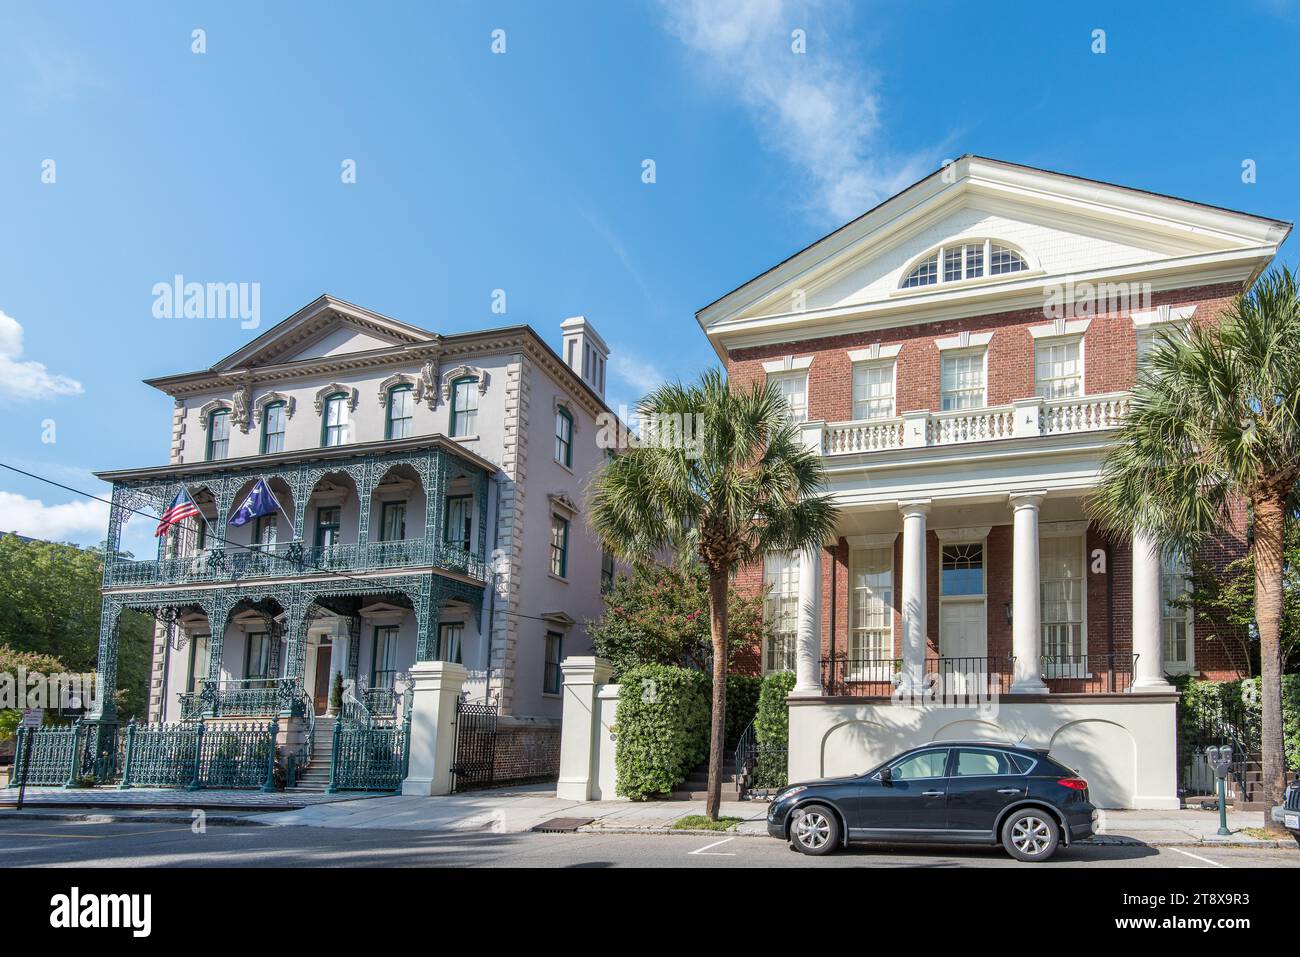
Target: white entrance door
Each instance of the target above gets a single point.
(961, 629)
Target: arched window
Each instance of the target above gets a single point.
(958, 262)
(334, 420)
(464, 405)
(564, 437)
(400, 422)
(219, 435)
(273, 428)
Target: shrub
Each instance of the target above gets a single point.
(662, 724)
(742, 704)
(772, 725)
(1198, 695)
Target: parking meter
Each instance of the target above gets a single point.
(1220, 759)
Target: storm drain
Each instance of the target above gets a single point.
(563, 825)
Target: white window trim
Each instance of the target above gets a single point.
(870, 543)
(1187, 667)
(765, 657)
(892, 365)
(974, 535)
(792, 375)
(788, 364)
(1067, 530)
(1063, 332)
(982, 349)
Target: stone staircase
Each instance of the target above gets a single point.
(316, 775)
(696, 786)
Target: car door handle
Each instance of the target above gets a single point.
(931, 794)
(1008, 790)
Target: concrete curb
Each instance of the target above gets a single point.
(99, 817)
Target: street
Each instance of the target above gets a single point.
(61, 843)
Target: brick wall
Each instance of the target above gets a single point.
(526, 752)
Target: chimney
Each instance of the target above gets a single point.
(585, 352)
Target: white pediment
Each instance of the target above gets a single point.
(340, 340)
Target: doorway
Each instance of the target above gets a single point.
(321, 687)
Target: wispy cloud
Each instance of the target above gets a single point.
(80, 521)
(24, 379)
(820, 109)
(640, 374)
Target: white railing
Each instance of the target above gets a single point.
(1023, 418)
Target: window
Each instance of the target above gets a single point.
(198, 670)
(1061, 587)
(273, 428)
(961, 569)
(793, 387)
(1058, 368)
(258, 663)
(559, 546)
(401, 413)
(327, 526)
(552, 676)
(608, 569)
(873, 390)
(962, 380)
(218, 435)
(460, 519)
(1175, 619)
(464, 406)
(334, 425)
(564, 438)
(972, 763)
(264, 531)
(964, 261)
(392, 522)
(781, 610)
(927, 764)
(449, 641)
(383, 657)
(871, 612)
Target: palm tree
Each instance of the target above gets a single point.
(749, 488)
(1215, 421)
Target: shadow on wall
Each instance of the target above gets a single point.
(1103, 752)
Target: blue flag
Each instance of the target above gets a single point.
(259, 502)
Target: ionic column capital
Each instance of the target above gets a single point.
(920, 506)
(1028, 499)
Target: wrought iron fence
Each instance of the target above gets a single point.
(945, 678)
(381, 700)
(1211, 721)
(51, 759)
(1089, 674)
(370, 757)
(474, 765)
(760, 767)
(161, 755)
(235, 755)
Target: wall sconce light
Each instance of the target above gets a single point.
(1007, 606)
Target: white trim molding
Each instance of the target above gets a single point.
(564, 402)
(216, 405)
(1163, 315)
(332, 389)
(969, 533)
(964, 340)
(871, 541)
(875, 353)
(787, 364)
(1062, 529)
(270, 398)
(400, 378)
(464, 372)
(1061, 328)
(563, 500)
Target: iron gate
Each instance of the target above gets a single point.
(476, 745)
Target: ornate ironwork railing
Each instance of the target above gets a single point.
(380, 701)
(1088, 674)
(234, 754)
(245, 697)
(760, 767)
(369, 756)
(945, 678)
(50, 757)
(233, 563)
(353, 711)
(161, 755)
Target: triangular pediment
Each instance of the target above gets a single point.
(1064, 227)
(326, 328)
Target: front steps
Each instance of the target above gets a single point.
(316, 775)
(696, 787)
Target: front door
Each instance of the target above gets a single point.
(321, 693)
(962, 645)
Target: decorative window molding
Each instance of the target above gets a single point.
(964, 340)
(464, 372)
(875, 353)
(558, 619)
(566, 404)
(788, 364)
(1163, 315)
(335, 388)
(270, 398)
(399, 378)
(970, 533)
(216, 405)
(239, 411)
(1060, 328)
(564, 502)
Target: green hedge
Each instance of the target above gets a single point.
(1196, 693)
(742, 705)
(662, 725)
(772, 725)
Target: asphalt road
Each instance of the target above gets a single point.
(54, 843)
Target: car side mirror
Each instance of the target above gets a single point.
(886, 777)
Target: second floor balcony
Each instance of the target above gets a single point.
(337, 511)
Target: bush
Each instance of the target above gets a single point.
(772, 725)
(742, 704)
(1197, 695)
(662, 724)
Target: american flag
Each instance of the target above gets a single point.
(182, 507)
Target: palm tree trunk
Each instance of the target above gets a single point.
(718, 725)
(1270, 516)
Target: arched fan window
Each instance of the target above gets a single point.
(961, 261)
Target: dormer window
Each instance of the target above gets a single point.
(962, 261)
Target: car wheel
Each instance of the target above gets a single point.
(1031, 835)
(815, 830)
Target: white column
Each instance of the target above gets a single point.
(433, 726)
(915, 599)
(1026, 619)
(579, 731)
(808, 649)
(1148, 637)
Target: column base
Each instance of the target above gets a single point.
(1151, 686)
(422, 787)
(1029, 686)
(806, 691)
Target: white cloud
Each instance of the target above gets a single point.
(641, 375)
(84, 522)
(21, 379)
(820, 112)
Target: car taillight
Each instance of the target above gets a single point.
(1074, 784)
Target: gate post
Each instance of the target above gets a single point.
(580, 729)
(435, 686)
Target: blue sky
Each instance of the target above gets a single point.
(522, 171)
